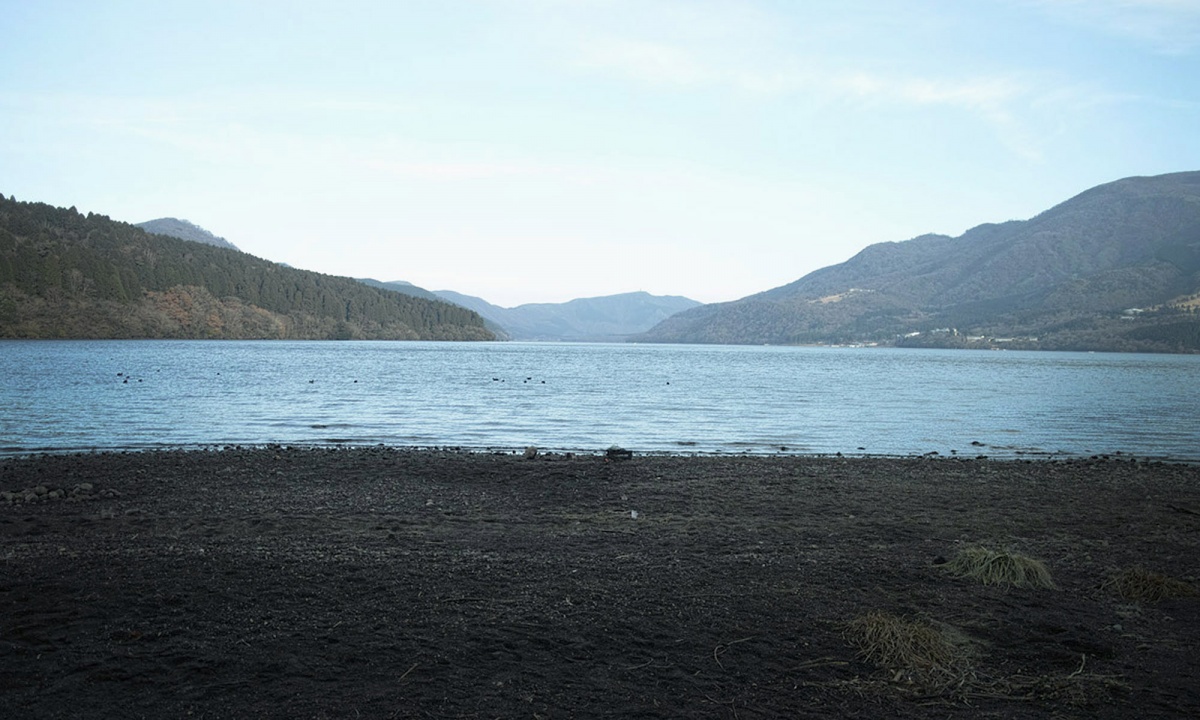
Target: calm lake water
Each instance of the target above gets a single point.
(82, 395)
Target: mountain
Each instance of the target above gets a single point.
(401, 286)
(66, 275)
(607, 318)
(184, 230)
(1114, 268)
(408, 288)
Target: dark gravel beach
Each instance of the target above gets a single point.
(378, 583)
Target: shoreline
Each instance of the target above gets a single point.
(395, 582)
(544, 452)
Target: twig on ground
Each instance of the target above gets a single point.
(820, 662)
(714, 701)
(720, 648)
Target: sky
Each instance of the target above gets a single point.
(544, 150)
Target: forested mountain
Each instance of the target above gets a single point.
(401, 287)
(184, 230)
(67, 275)
(1114, 268)
(611, 317)
(408, 288)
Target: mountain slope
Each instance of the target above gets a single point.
(1066, 277)
(401, 287)
(63, 274)
(184, 230)
(611, 317)
(408, 288)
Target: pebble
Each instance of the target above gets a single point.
(44, 493)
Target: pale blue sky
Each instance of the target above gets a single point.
(542, 150)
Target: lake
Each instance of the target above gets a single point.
(137, 394)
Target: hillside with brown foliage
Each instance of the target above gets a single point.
(68, 275)
(1110, 269)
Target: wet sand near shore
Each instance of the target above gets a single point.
(395, 583)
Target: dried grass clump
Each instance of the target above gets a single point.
(913, 651)
(992, 567)
(930, 659)
(1079, 689)
(1143, 586)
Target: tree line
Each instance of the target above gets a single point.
(65, 274)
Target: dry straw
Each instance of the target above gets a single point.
(931, 659)
(913, 651)
(1143, 586)
(992, 567)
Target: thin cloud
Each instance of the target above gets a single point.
(661, 63)
(989, 98)
(1168, 27)
(658, 63)
(984, 93)
(646, 61)
(461, 170)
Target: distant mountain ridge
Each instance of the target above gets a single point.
(595, 319)
(605, 318)
(401, 286)
(67, 275)
(184, 230)
(408, 288)
(1114, 268)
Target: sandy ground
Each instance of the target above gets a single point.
(314, 583)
